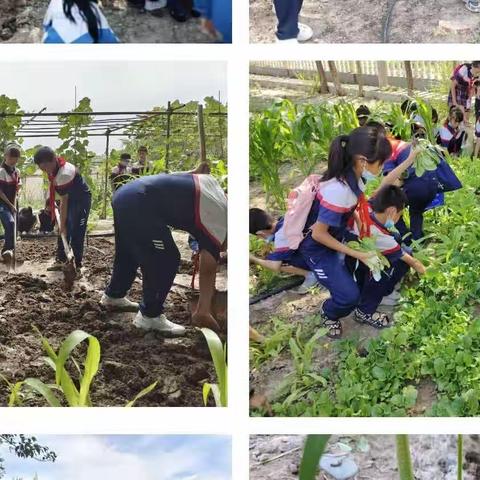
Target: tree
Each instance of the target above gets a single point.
(25, 447)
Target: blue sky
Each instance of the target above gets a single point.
(128, 457)
(112, 86)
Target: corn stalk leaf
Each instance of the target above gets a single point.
(44, 390)
(144, 392)
(312, 451)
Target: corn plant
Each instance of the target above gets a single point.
(219, 357)
(74, 394)
(312, 451)
(459, 457)
(405, 468)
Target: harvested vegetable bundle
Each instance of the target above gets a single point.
(428, 157)
(377, 262)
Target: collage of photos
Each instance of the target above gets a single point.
(136, 139)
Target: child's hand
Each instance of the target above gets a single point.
(420, 268)
(205, 320)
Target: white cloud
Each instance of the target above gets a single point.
(99, 457)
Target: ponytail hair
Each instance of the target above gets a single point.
(88, 13)
(369, 142)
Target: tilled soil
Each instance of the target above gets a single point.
(131, 359)
(21, 22)
(277, 457)
(350, 21)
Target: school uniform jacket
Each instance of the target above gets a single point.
(68, 180)
(9, 182)
(450, 138)
(59, 29)
(334, 206)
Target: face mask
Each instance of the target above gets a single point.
(389, 224)
(270, 238)
(367, 175)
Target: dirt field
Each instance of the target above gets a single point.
(131, 359)
(434, 456)
(21, 22)
(372, 21)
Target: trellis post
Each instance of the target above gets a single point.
(107, 171)
(201, 134)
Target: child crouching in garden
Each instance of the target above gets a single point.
(282, 259)
(353, 161)
(76, 21)
(385, 210)
(75, 203)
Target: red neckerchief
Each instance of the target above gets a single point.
(51, 178)
(364, 214)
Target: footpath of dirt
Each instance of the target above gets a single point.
(21, 22)
(350, 21)
(434, 456)
(131, 359)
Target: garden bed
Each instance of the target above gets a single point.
(433, 456)
(131, 359)
(348, 21)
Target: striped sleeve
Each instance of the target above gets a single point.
(387, 244)
(64, 178)
(335, 200)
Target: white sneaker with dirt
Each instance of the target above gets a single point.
(120, 304)
(56, 267)
(290, 40)
(392, 299)
(473, 5)
(159, 324)
(7, 257)
(305, 33)
(309, 282)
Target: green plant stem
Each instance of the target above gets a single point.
(404, 459)
(312, 451)
(460, 457)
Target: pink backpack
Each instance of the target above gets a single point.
(299, 203)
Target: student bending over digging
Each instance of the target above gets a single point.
(353, 160)
(190, 202)
(9, 186)
(75, 203)
(282, 259)
(384, 211)
(76, 21)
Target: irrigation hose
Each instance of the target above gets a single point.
(387, 24)
(296, 282)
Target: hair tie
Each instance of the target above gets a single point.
(344, 141)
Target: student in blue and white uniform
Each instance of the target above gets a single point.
(190, 202)
(75, 202)
(420, 191)
(352, 158)
(282, 259)
(451, 135)
(385, 209)
(76, 21)
(9, 185)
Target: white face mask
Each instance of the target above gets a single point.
(367, 175)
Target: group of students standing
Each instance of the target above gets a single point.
(145, 208)
(82, 21)
(339, 211)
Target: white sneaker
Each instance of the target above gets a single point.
(473, 5)
(160, 324)
(289, 40)
(120, 304)
(309, 282)
(305, 33)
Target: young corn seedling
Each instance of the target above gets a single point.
(74, 393)
(219, 357)
(405, 468)
(377, 262)
(312, 451)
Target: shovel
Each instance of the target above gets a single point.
(69, 270)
